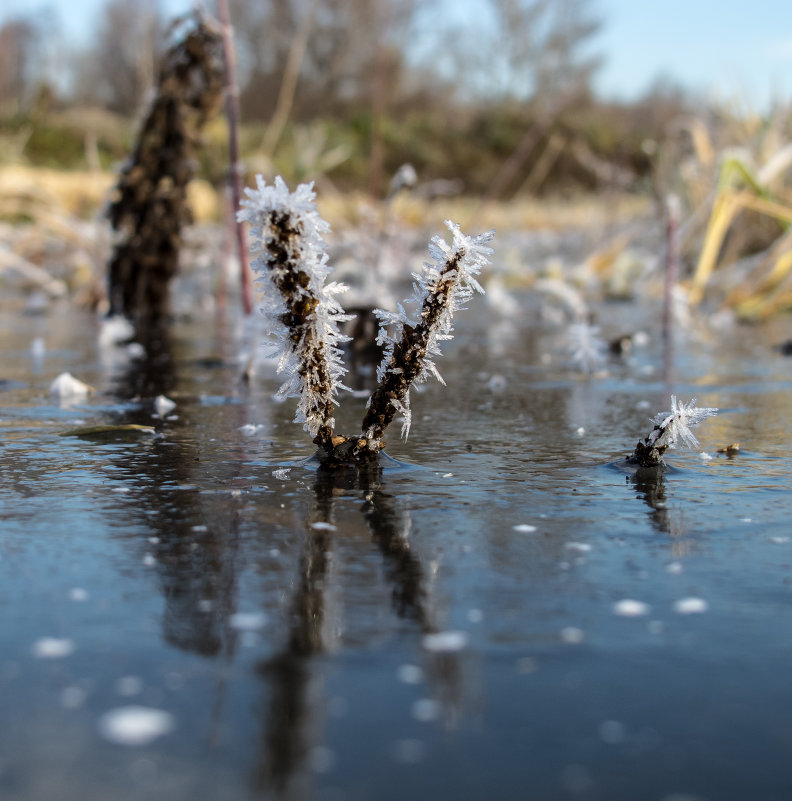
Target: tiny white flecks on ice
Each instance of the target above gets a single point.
(442, 641)
(691, 606)
(52, 648)
(628, 607)
(135, 725)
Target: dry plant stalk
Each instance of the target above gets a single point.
(289, 256)
(149, 209)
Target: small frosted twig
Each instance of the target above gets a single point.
(290, 261)
(669, 429)
(410, 348)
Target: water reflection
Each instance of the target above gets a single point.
(650, 486)
(193, 540)
(292, 716)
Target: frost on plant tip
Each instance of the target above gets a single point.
(290, 262)
(411, 343)
(670, 428)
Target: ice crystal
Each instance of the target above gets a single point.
(289, 257)
(411, 343)
(588, 350)
(669, 429)
(673, 426)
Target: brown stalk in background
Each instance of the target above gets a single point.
(235, 167)
(149, 209)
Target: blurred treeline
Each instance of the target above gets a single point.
(493, 98)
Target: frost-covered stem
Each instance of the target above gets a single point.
(289, 256)
(235, 177)
(669, 429)
(299, 319)
(407, 360)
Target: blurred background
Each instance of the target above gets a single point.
(518, 113)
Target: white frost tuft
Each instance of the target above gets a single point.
(673, 426)
(467, 256)
(287, 244)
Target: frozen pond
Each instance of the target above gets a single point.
(192, 614)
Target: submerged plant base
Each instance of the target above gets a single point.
(339, 452)
(647, 455)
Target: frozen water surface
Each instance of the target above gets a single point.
(199, 615)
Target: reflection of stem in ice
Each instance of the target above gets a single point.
(670, 428)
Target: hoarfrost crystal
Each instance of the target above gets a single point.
(586, 347)
(412, 343)
(670, 427)
(291, 262)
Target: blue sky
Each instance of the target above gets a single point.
(732, 49)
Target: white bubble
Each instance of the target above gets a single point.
(410, 674)
(580, 547)
(135, 725)
(628, 607)
(426, 710)
(78, 594)
(281, 474)
(248, 621)
(691, 606)
(322, 526)
(571, 635)
(52, 648)
(674, 567)
(524, 528)
(445, 641)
